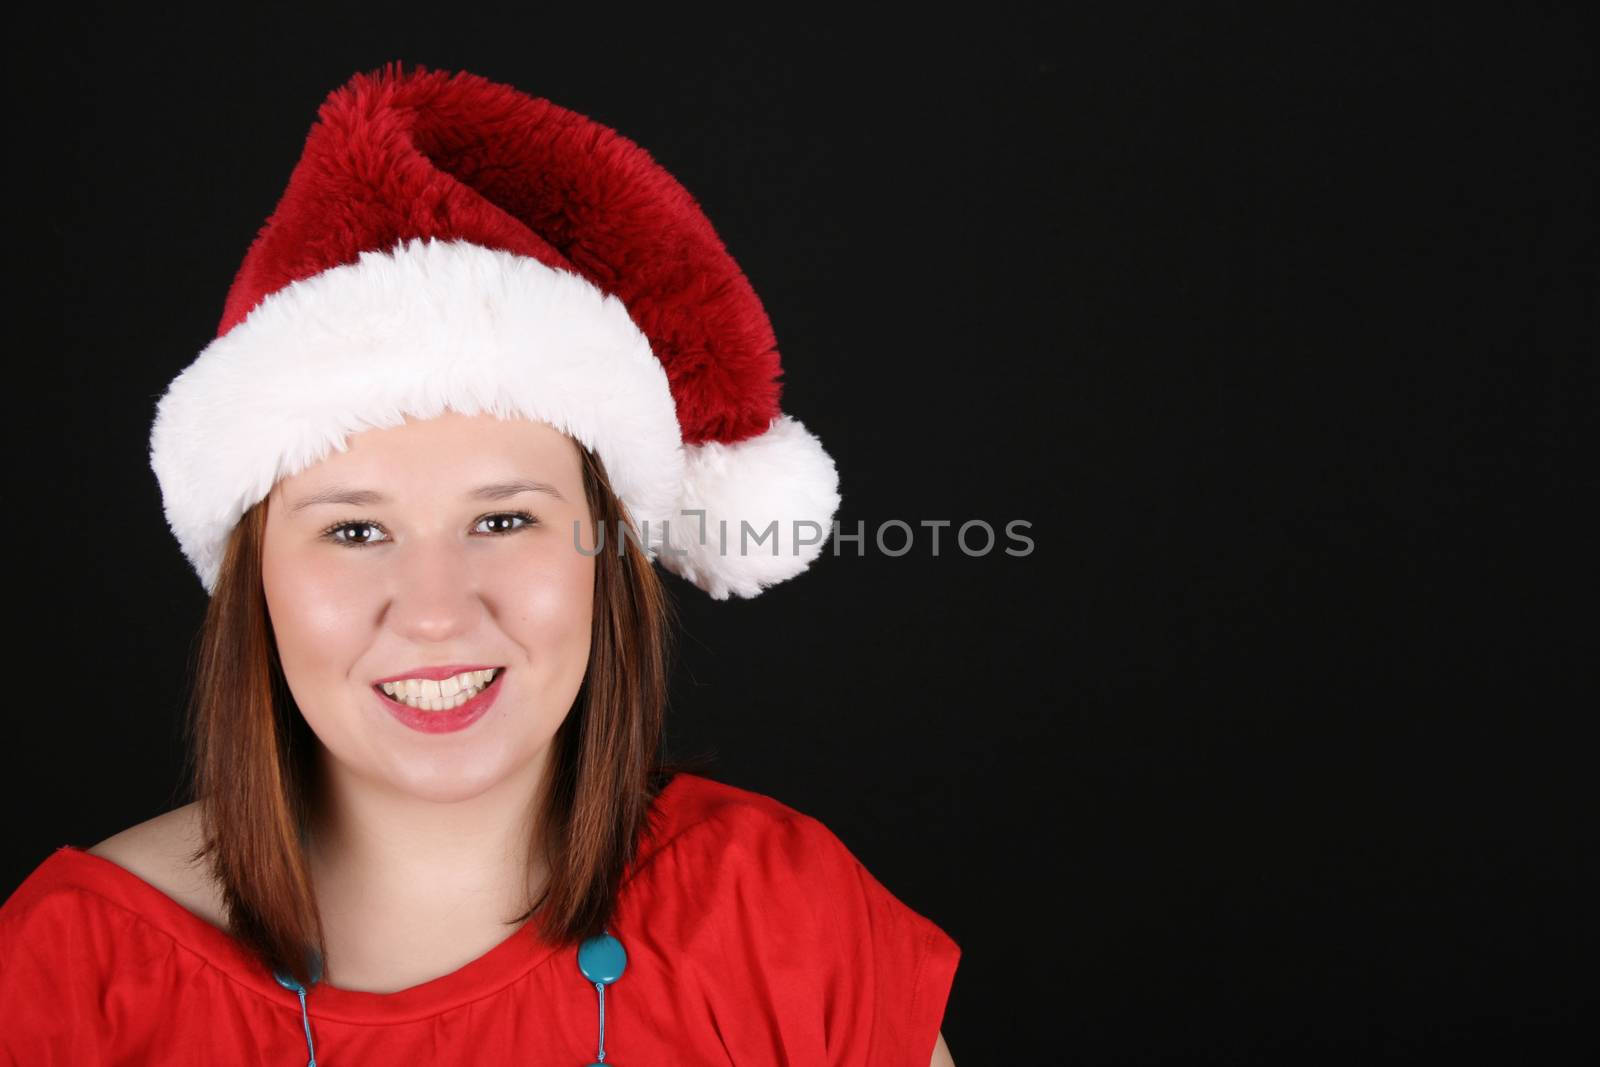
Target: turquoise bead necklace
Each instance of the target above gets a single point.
(601, 960)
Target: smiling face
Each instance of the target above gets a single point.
(428, 574)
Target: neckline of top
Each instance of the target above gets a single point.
(513, 957)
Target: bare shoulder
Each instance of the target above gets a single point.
(158, 850)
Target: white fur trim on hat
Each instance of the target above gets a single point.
(427, 326)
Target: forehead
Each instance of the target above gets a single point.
(451, 453)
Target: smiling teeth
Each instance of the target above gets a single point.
(428, 695)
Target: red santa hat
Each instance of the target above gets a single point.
(449, 242)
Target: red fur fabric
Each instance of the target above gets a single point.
(398, 154)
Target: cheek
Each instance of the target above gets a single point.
(553, 608)
(315, 612)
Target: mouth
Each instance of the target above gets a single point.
(412, 697)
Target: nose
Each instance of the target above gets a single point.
(434, 590)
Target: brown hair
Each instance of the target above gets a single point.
(250, 751)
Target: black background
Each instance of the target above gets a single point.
(1276, 323)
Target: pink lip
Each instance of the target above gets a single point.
(436, 674)
(443, 722)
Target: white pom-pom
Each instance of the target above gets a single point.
(768, 504)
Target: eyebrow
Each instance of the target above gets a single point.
(339, 494)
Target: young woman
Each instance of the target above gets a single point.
(486, 363)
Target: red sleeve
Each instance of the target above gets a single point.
(847, 974)
(50, 996)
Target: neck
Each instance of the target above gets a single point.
(441, 878)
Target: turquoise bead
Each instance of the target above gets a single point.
(601, 959)
(316, 974)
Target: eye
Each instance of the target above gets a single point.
(332, 533)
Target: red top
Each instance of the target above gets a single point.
(753, 936)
